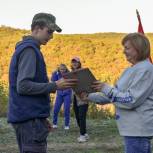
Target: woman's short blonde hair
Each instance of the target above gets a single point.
(140, 43)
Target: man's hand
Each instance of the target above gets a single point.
(66, 83)
(97, 86)
(49, 125)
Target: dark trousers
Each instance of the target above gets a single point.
(31, 136)
(80, 115)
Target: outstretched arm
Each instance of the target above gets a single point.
(98, 98)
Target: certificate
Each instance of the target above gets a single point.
(85, 80)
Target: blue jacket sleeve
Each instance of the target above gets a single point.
(54, 76)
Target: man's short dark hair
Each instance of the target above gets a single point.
(39, 24)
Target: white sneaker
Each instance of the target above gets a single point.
(66, 128)
(54, 126)
(82, 138)
(86, 136)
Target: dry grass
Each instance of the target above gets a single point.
(104, 138)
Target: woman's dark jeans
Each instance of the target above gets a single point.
(80, 115)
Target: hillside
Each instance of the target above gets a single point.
(95, 50)
(101, 52)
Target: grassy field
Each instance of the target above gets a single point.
(103, 134)
(104, 138)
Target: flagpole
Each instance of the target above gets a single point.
(140, 28)
(138, 16)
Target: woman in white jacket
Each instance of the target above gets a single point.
(132, 95)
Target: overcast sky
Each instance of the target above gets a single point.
(80, 16)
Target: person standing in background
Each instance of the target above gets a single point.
(80, 107)
(62, 96)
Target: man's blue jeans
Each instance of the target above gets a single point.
(137, 144)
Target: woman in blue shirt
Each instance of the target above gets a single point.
(62, 96)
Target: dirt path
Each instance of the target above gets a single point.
(69, 146)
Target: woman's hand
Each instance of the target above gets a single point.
(97, 86)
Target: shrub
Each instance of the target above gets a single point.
(3, 99)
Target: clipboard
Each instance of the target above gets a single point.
(85, 80)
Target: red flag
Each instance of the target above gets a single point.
(140, 28)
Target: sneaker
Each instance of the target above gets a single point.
(54, 126)
(86, 136)
(82, 138)
(66, 128)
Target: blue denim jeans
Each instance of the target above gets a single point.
(137, 144)
(31, 136)
(60, 99)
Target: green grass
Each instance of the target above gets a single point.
(104, 138)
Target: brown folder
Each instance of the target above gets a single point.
(85, 80)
